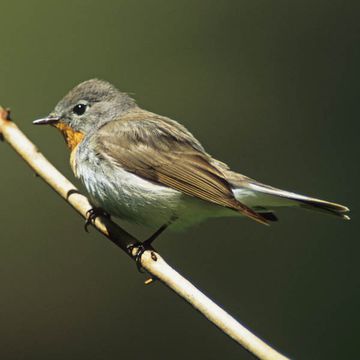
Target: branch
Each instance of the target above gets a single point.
(150, 260)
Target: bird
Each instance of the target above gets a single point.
(149, 169)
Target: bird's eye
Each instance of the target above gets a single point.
(79, 109)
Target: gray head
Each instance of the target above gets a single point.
(89, 105)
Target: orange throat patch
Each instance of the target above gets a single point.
(72, 139)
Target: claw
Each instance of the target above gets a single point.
(143, 246)
(140, 247)
(91, 216)
(137, 257)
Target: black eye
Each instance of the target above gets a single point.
(79, 109)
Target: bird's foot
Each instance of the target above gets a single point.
(140, 248)
(92, 214)
(143, 246)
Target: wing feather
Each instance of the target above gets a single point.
(164, 152)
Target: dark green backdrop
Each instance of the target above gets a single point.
(271, 88)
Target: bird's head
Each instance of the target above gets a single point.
(87, 106)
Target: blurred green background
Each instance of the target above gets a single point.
(271, 88)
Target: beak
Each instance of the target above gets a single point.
(47, 121)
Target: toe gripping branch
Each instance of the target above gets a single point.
(136, 251)
(91, 216)
(141, 247)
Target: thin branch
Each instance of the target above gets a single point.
(150, 260)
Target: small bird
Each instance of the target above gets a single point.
(149, 169)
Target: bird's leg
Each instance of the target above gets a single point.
(148, 242)
(92, 214)
(146, 245)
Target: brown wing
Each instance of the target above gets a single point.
(160, 150)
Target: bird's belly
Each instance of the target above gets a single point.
(128, 196)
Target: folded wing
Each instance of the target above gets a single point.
(164, 152)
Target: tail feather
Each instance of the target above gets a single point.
(268, 215)
(294, 199)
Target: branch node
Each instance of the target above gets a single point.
(153, 256)
(5, 114)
